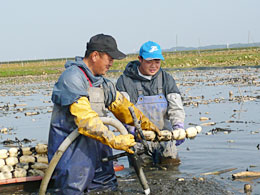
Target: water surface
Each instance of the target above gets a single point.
(205, 93)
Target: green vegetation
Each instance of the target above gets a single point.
(25, 68)
(183, 59)
(213, 58)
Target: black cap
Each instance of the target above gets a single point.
(105, 43)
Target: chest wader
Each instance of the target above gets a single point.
(155, 108)
(80, 168)
(104, 173)
(97, 99)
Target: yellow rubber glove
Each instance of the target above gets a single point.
(120, 109)
(89, 124)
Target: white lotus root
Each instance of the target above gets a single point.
(165, 135)
(35, 172)
(5, 175)
(6, 168)
(13, 152)
(3, 154)
(11, 160)
(199, 129)
(20, 172)
(41, 149)
(41, 166)
(149, 135)
(27, 159)
(203, 118)
(2, 162)
(178, 134)
(26, 151)
(191, 132)
(29, 164)
(42, 159)
(22, 165)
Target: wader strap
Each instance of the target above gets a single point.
(90, 84)
(139, 88)
(160, 87)
(96, 97)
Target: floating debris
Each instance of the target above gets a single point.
(10, 142)
(219, 172)
(245, 174)
(180, 179)
(31, 113)
(234, 121)
(204, 118)
(198, 179)
(247, 188)
(4, 130)
(208, 124)
(20, 105)
(230, 95)
(219, 129)
(20, 109)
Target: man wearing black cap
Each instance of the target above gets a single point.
(80, 97)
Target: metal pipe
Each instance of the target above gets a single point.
(136, 164)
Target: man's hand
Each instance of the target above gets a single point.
(153, 128)
(179, 142)
(123, 142)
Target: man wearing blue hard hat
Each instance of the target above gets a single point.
(156, 94)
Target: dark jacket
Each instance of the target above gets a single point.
(126, 82)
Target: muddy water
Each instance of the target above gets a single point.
(230, 142)
(239, 116)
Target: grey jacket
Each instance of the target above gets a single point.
(126, 83)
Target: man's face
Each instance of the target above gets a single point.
(149, 67)
(102, 63)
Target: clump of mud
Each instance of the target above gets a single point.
(164, 185)
(174, 186)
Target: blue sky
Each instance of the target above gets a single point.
(32, 29)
